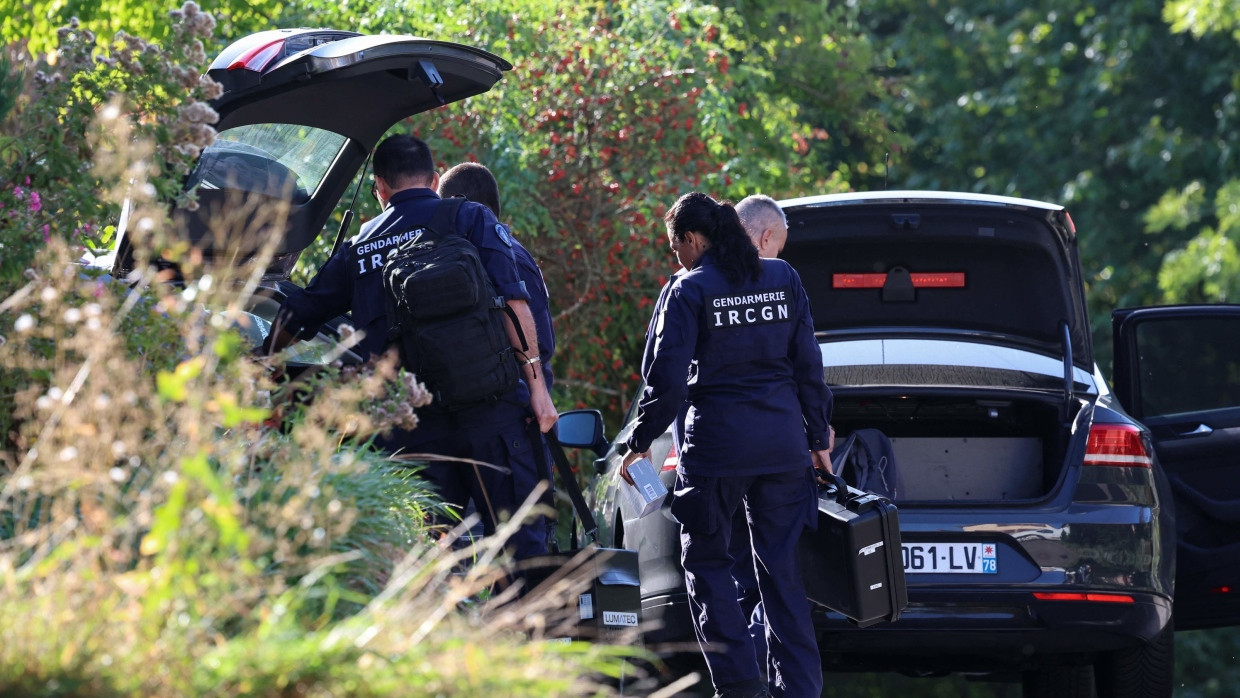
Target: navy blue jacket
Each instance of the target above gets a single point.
(351, 279)
(757, 399)
(540, 303)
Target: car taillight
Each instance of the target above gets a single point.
(672, 460)
(1077, 596)
(950, 279)
(1117, 444)
(257, 58)
(1225, 589)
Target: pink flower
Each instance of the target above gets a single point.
(36, 204)
(19, 193)
(47, 232)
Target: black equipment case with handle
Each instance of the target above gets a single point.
(609, 607)
(852, 564)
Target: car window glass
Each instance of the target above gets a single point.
(1188, 364)
(938, 362)
(278, 160)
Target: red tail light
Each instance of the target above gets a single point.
(672, 460)
(1222, 590)
(950, 279)
(1069, 596)
(1117, 444)
(257, 58)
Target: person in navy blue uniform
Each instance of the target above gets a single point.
(735, 339)
(475, 182)
(492, 433)
(767, 226)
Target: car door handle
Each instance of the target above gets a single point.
(1201, 430)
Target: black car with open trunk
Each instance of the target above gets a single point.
(1054, 530)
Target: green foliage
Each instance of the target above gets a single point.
(612, 111)
(1200, 17)
(38, 20)
(175, 522)
(1081, 103)
(1207, 663)
(1207, 268)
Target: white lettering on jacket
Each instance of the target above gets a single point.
(747, 309)
(369, 255)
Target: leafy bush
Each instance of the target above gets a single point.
(172, 523)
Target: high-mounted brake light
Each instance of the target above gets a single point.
(672, 460)
(951, 279)
(257, 58)
(1073, 596)
(1117, 444)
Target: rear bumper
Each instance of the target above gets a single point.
(946, 631)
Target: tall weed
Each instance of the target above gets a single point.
(176, 520)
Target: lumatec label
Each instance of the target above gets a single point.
(746, 309)
(628, 620)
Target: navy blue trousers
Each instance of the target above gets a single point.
(496, 434)
(779, 507)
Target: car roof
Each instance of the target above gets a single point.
(913, 196)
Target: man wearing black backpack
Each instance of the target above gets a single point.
(361, 278)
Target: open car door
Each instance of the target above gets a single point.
(1177, 370)
(300, 112)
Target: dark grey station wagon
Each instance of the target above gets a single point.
(1056, 529)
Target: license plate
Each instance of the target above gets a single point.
(950, 558)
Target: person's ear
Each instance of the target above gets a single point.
(435, 181)
(765, 239)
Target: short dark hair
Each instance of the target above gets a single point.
(401, 158)
(473, 181)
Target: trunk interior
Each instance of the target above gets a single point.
(964, 447)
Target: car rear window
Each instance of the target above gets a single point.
(924, 362)
(278, 160)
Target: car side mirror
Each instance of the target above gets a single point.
(582, 429)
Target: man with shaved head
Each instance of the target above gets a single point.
(767, 227)
(765, 222)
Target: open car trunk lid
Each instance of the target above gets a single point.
(932, 264)
(300, 112)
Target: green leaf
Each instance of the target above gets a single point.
(174, 385)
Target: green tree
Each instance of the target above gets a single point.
(612, 111)
(35, 22)
(1099, 106)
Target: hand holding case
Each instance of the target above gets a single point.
(852, 564)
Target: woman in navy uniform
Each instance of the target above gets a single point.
(739, 328)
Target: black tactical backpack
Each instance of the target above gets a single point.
(867, 462)
(445, 315)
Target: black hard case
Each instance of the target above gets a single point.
(852, 563)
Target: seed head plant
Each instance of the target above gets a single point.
(176, 516)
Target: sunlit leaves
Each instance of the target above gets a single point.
(174, 385)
